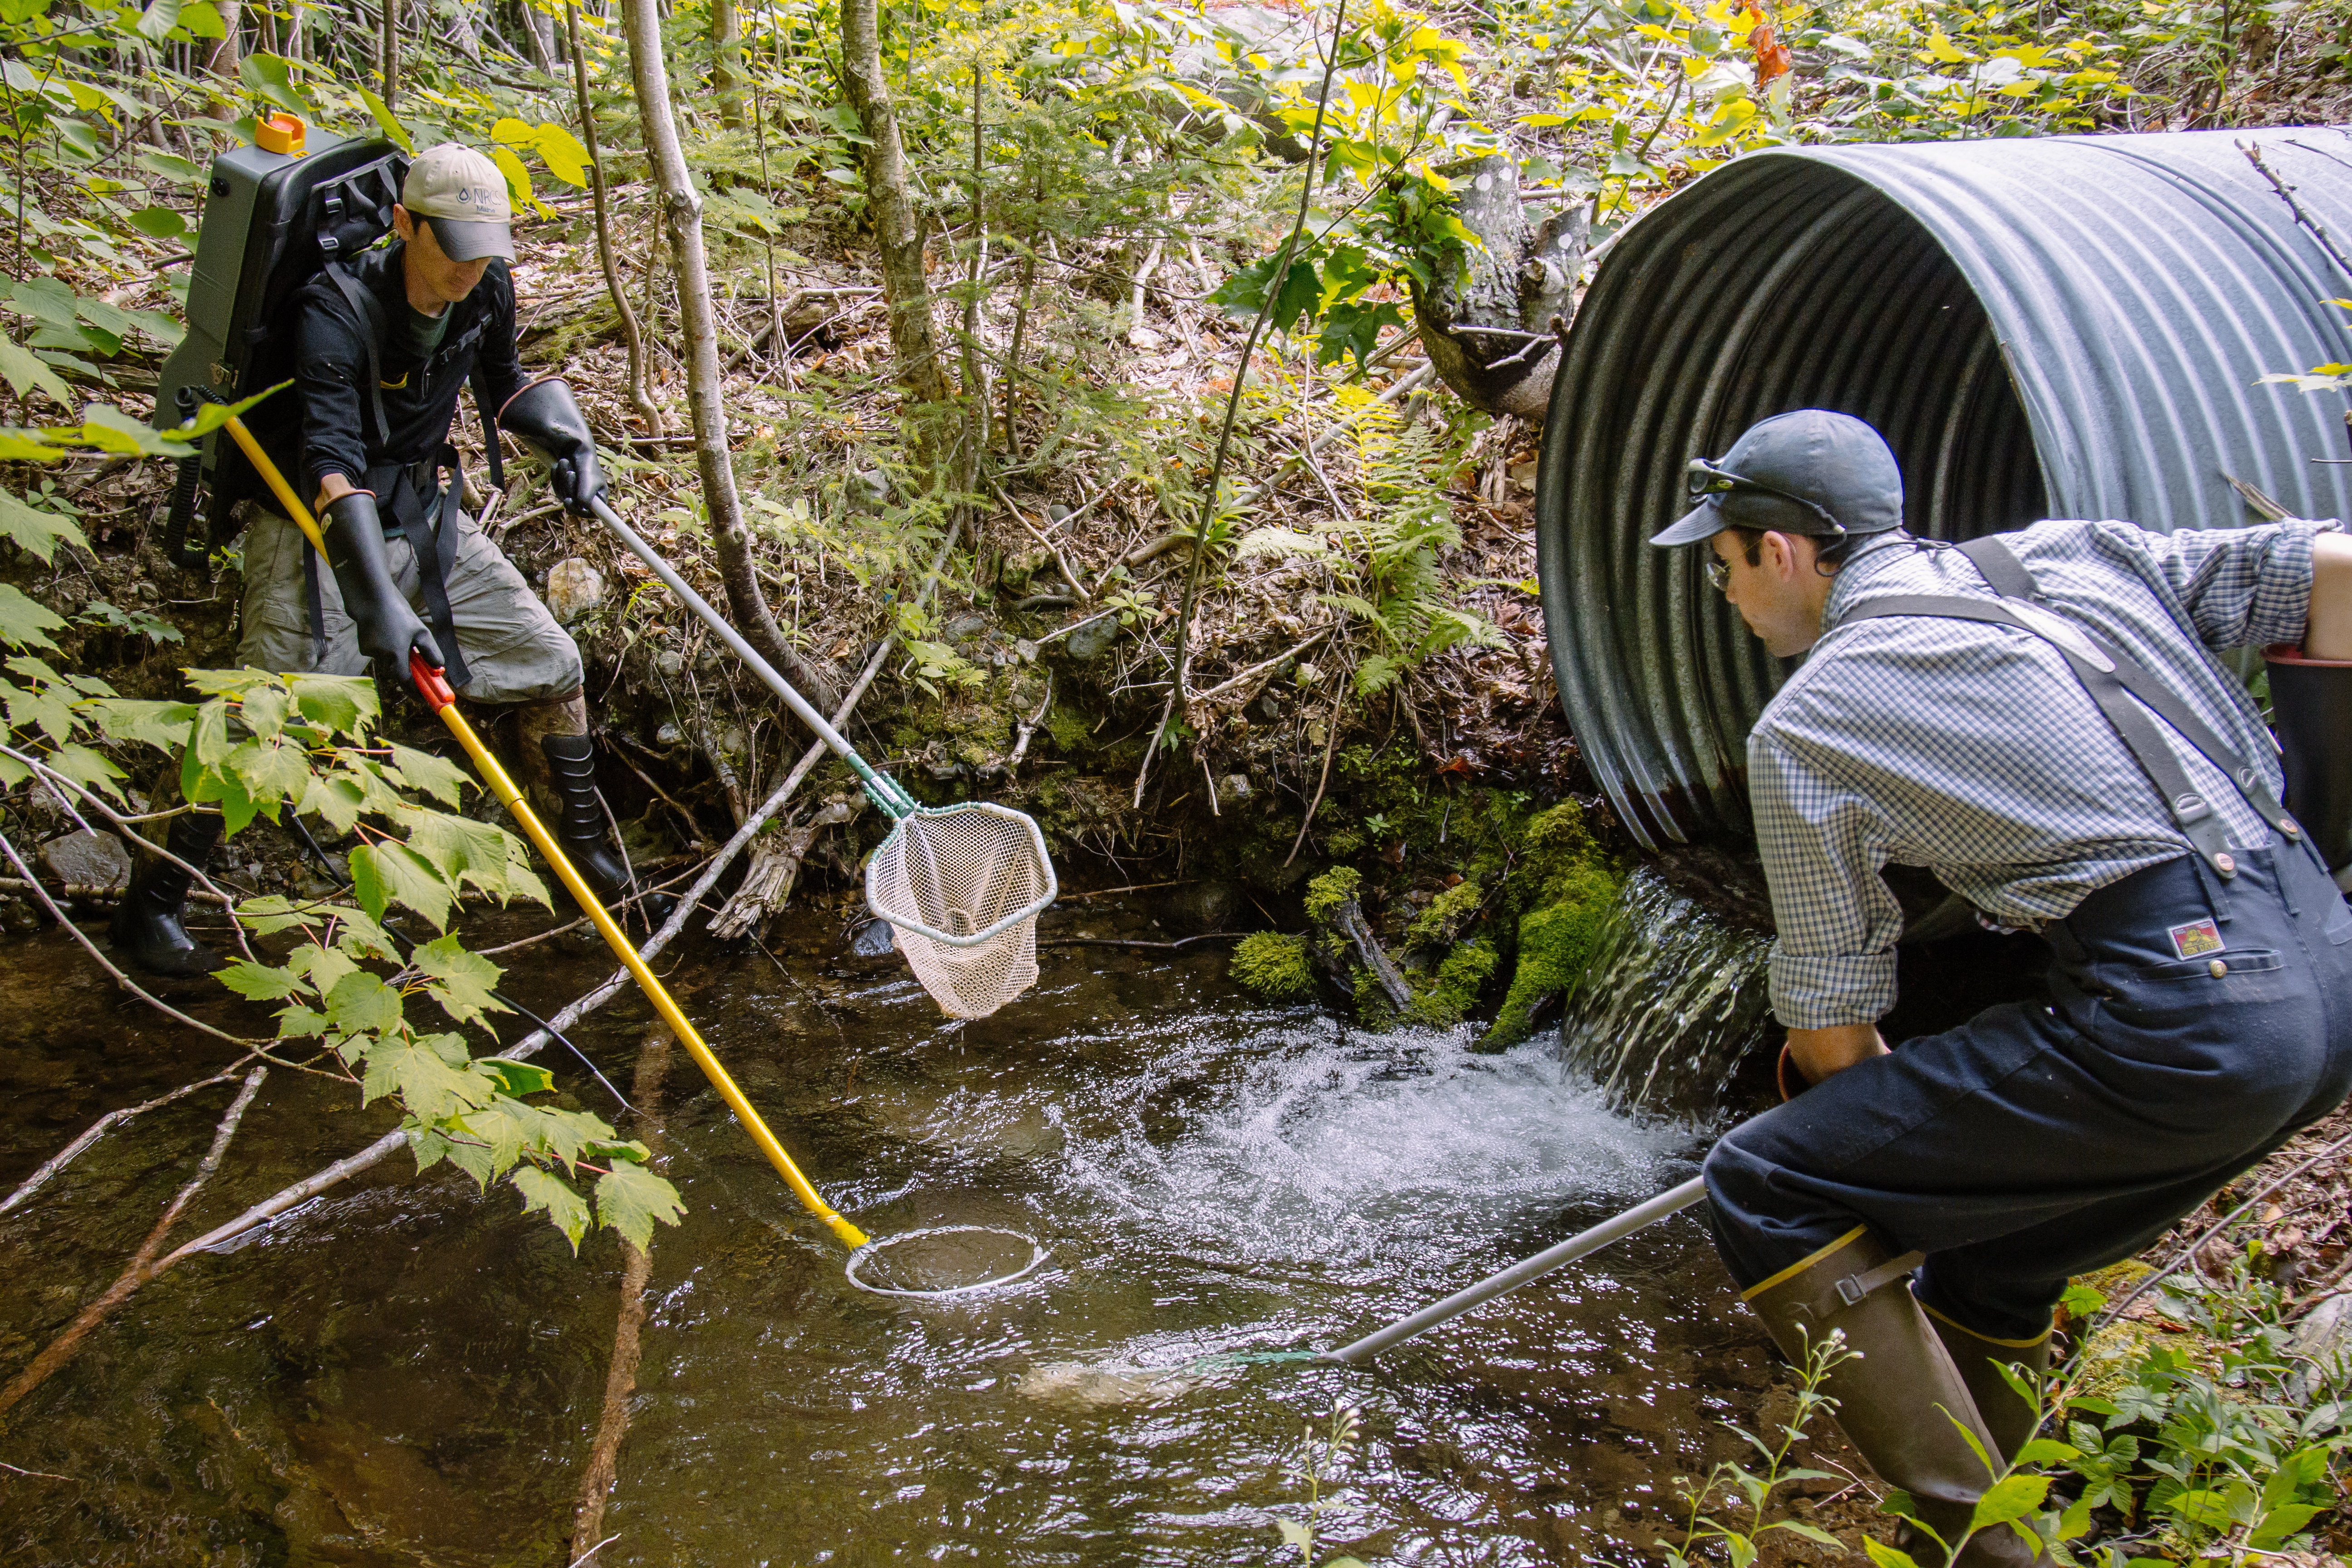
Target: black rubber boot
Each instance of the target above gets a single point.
(1898, 1399)
(146, 927)
(579, 825)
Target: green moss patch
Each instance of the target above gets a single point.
(1273, 966)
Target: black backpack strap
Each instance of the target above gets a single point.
(437, 557)
(369, 312)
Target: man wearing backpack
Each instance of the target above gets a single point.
(384, 344)
(2036, 717)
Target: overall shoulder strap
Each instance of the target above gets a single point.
(2112, 678)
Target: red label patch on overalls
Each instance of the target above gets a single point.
(2196, 939)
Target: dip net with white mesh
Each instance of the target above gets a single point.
(962, 887)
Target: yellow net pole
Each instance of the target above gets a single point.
(443, 701)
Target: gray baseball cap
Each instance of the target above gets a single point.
(1811, 472)
(463, 196)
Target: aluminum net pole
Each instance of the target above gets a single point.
(1638, 1217)
(886, 794)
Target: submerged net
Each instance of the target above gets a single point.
(963, 886)
(945, 1260)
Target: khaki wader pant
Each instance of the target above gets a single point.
(512, 646)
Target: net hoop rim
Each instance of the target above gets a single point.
(1038, 1253)
(1027, 911)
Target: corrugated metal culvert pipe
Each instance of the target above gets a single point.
(2062, 327)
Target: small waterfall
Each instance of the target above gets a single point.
(1674, 997)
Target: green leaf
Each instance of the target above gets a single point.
(166, 165)
(518, 177)
(481, 852)
(22, 623)
(264, 709)
(346, 704)
(1886, 1556)
(426, 1083)
(158, 20)
(34, 531)
(565, 1209)
(461, 982)
(2279, 1523)
(384, 875)
(2011, 1497)
(270, 771)
(259, 983)
(163, 725)
(388, 122)
(266, 75)
(337, 799)
(518, 1078)
(87, 768)
(2047, 1451)
(1296, 1532)
(630, 1198)
(436, 777)
(1812, 1533)
(359, 1004)
(27, 374)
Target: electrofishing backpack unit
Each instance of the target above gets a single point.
(275, 214)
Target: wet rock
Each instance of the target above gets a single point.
(670, 662)
(1199, 907)
(1091, 641)
(573, 588)
(1072, 1386)
(963, 628)
(874, 938)
(88, 859)
(1236, 788)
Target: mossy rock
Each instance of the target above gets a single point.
(1273, 965)
(1445, 998)
(1326, 892)
(1556, 941)
(1448, 915)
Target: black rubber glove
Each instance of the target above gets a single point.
(388, 628)
(547, 416)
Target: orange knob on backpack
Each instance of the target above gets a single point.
(280, 134)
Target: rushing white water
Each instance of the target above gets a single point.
(1303, 1140)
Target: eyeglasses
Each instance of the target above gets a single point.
(1704, 479)
(1718, 573)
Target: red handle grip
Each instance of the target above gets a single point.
(429, 683)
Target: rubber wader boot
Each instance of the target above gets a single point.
(1979, 1359)
(1897, 1399)
(146, 927)
(579, 824)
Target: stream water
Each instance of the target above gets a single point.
(410, 1372)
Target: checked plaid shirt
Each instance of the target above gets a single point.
(1972, 750)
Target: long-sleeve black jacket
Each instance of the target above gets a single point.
(420, 400)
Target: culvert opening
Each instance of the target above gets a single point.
(1834, 297)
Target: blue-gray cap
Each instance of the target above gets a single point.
(1811, 472)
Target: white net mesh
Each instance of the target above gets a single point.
(944, 877)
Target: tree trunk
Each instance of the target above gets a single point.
(682, 214)
(640, 398)
(539, 27)
(389, 58)
(726, 60)
(1489, 331)
(226, 56)
(913, 335)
